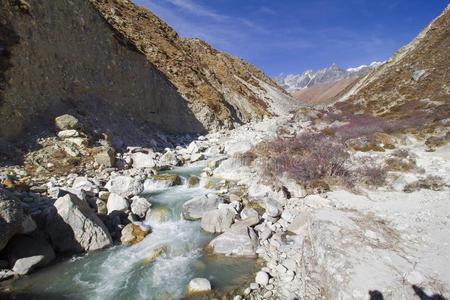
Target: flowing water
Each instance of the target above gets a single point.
(133, 272)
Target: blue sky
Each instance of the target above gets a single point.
(290, 36)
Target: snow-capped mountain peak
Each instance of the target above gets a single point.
(309, 78)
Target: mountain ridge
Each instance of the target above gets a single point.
(310, 78)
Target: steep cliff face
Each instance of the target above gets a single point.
(60, 56)
(122, 71)
(413, 86)
(220, 89)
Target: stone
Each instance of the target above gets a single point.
(66, 122)
(11, 216)
(140, 206)
(262, 278)
(125, 186)
(169, 159)
(199, 286)
(239, 240)
(86, 184)
(168, 179)
(194, 209)
(197, 157)
(193, 181)
(6, 274)
(234, 198)
(76, 228)
(103, 195)
(25, 253)
(273, 208)
(132, 234)
(418, 74)
(143, 160)
(116, 203)
(158, 215)
(65, 134)
(28, 225)
(218, 220)
(101, 207)
(249, 216)
(106, 158)
(154, 254)
(254, 286)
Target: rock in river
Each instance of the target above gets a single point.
(239, 240)
(133, 234)
(199, 286)
(194, 209)
(218, 220)
(26, 253)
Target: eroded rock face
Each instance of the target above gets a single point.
(150, 102)
(76, 228)
(11, 216)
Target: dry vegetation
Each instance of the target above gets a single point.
(314, 160)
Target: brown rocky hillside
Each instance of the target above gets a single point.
(122, 71)
(220, 89)
(413, 87)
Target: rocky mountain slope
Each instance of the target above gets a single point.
(220, 89)
(413, 86)
(122, 71)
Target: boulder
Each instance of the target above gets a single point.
(262, 278)
(132, 234)
(199, 286)
(143, 160)
(86, 184)
(193, 181)
(66, 122)
(194, 209)
(25, 253)
(169, 159)
(65, 134)
(116, 203)
(76, 228)
(106, 157)
(239, 240)
(249, 216)
(125, 186)
(273, 208)
(11, 216)
(168, 179)
(154, 254)
(218, 220)
(140, 206)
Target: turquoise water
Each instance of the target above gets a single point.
(129, 273)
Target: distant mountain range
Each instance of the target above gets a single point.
(310, 78)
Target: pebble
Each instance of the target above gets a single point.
(262, 278)
(254, 286)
